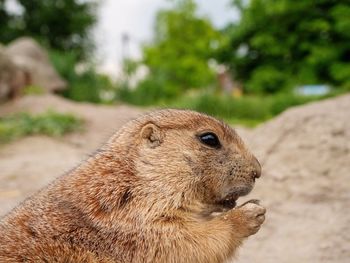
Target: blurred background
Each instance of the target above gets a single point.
(73, 71)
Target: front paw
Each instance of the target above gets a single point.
(248, 218)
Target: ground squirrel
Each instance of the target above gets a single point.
(162, 189)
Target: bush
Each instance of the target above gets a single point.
(247, 110)
(275, 43)
(226, 107)
(85, 86)
(148, 92)
(49, 123)
(267, 80)
(33, 90)
(281, 102)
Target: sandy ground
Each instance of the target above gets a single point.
(305, 185)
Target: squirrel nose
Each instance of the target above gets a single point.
(256, 172)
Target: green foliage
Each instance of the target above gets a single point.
(49, 123)
(247, 110)
(228, 108)
(267, 79)
(33, 90)
(7, 24)
(87, 85)
(60, 24)
(148, 92)
(280, 102)
(281, 44)
(178, 56)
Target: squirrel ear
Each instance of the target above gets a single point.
(152, 135)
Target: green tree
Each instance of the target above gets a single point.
(279, 44)
(178, 55)
(61, 24)
(6, 34)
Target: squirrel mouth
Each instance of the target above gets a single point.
(230, 200)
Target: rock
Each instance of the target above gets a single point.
(12, 78)
(305, 155)
(32, 59)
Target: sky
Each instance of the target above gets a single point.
(136, 18)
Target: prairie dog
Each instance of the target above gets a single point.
(162, 189)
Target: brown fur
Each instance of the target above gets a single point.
(149, 195)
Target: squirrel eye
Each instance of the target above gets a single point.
(210, 139)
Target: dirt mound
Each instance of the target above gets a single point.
(305, 154)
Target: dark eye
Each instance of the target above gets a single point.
(210, 139)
